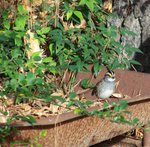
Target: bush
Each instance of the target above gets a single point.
(65, 37)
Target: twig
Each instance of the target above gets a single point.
(64, 76)
(83, 91)
(69, 84)
(76, 84)
(56, 12)
(133, 67)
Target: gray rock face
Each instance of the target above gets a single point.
(133, 25)
(145, 37)
(145, 23)
(135, 15)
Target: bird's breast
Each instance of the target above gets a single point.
(105, 93)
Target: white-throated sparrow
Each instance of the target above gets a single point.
(106, 87)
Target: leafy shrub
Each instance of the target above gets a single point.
(74, 35)
(38, 48)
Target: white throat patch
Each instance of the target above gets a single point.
(111, 79)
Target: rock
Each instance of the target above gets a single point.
(134, 15)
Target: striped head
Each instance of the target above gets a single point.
(110, 76)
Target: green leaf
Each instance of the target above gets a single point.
(135, 62)
(9, 120)
(69, 14)
(37, 58)
(21, 77)
(89, 102)
(51, 48)
(39, 32)
(39, 145)
(48, 99)
(101, 114)
(105, 105)
(38, 81)
(116, 44)
(6, 24)
(16, 52)
(85, 83)
(125, 31)
(53, 70)
(28, 119)
(20, 23)
(56, 35)
(13, 82)
(72, 95)
(82, 2)
(79, 104)
(5, 113)
(97, 68)
(77, 111)
(111, 32)
(90, 4)
(45, 30)
(22, 10)
(18, 41)
(70, 103)
(132, 49)
(116, 119)
(43, 133)
(107, 113)
(30, 77)
(78, 14)
(123, 104)
(95, 112)
(117, 108)
(114, 103)
(135, 121)
(115, 64)
(49, 60)
(36, 54)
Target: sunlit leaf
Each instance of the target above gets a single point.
(22, 10)
(20, 22)
(6, 24)
(77, 111)
(43, 133)
(78, 14)
(90, 4)
(45, 30)
(69, 14)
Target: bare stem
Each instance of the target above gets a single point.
(57, 3)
